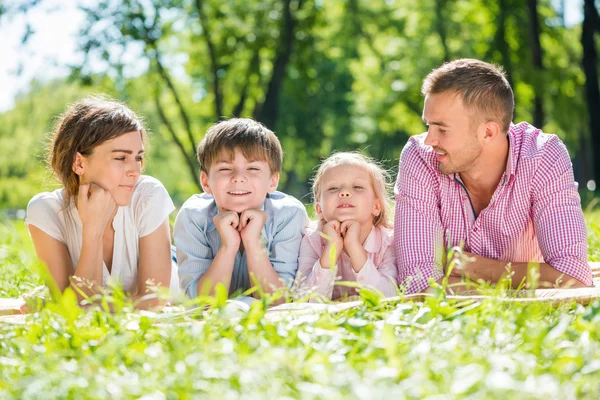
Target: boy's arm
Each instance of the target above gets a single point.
(194, 253)
(281, 263)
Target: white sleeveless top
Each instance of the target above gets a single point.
(150, 205)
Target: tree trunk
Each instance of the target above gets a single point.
(502, 43)
(538, 66)
(590, 60)
(267, 112)
(440, 19)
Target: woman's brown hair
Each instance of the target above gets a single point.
(85, 125)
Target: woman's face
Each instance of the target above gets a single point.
(114, 165)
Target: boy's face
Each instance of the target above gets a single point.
(239, 184)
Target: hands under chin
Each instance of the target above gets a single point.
(96, 207)
(237, 228)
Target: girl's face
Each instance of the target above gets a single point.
(347, 194)
(114, 165)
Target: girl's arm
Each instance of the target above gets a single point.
(382, 277)
(311, 276)
(154, 263)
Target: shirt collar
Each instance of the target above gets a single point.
(511, 160)
(372, 243)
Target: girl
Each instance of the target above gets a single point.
(352, 242)
(107, 221)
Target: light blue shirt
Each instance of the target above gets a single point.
(197, 240)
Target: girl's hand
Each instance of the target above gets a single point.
(227, 223)
(96, 207)
(350, 231)
(335, 243)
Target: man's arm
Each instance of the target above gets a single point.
(557, 216)
(418, 232)
(559, 225)
(491, 271)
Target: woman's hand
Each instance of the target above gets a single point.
(96, 207)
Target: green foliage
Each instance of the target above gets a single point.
(438, 348)
(325, 75)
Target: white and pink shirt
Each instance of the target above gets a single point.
(534, 215)
(379, 271)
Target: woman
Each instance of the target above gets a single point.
(107, 221)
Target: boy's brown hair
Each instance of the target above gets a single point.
(85, 125)
(254, 140)
(482, 87)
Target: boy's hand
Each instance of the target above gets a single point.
(96, 207)
(227, 223)
(335, 243)
(251, 224)
(350, 231)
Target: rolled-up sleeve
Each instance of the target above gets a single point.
(418, 232)
(194, 254)
(557, 215)
(285, 245)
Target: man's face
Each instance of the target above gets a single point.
(453, 132)
(239, 184)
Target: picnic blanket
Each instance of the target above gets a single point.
(9, 307)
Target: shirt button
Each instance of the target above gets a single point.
(475, 229)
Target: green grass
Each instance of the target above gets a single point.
(438, 349)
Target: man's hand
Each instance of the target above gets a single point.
(227, 223)
(251, 224)
(96, 208)
(335, 243)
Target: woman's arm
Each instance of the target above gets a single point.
(55, 255)
(154, 267)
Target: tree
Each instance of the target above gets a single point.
(591, 24)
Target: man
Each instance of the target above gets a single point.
(503, 192)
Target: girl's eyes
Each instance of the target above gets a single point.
(358, 187)
(333, 188)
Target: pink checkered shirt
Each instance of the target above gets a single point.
(534, 215)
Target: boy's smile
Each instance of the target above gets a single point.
(239, 184)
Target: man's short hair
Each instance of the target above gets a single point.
(252, 138)
(483, 88)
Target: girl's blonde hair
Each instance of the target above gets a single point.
(380, 179)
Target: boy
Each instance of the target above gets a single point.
(240, 225)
